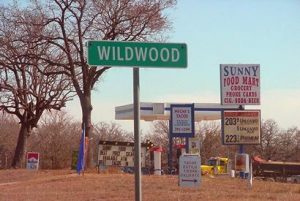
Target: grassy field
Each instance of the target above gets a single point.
(23, 185)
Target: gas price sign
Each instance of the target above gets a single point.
(241, 127)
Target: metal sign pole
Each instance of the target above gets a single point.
(241, 150)
(137, 137)
(170, 159)
(187, 145)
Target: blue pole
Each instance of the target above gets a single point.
(241, 148)
(241, 151)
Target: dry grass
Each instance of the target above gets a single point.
(23, 185)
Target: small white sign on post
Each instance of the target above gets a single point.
(189, 170)
(194, 145)
(240, 84)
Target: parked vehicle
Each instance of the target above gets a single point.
(278, 170)
(215, 165)
(295, 179)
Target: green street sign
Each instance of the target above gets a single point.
(137, 54)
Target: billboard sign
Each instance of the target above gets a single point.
(182, 120)
(240, 84)
(189, 171)
(32, 160)
(113, 153)
(241, 127)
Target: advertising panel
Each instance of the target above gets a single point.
(240, 84)
(242, 163)
(241, 127)
(113, 153)
(182, 120)
(189, 171)
(32, 160)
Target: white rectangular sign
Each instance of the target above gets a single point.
(241, 127)
(182, 120)
(194, 145)
(189, 171)
(240, 84)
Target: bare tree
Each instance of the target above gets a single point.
(287, 144)
(71, 23)
(8, 139)
(55, 139)
(297, 151)
(111, 132)
(106, 131)
(269, 140)
(25, 91)
(209, 133)
(159, 134)
(276, 144)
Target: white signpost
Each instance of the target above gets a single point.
(189, 171)
(241, 127)
(240, 84)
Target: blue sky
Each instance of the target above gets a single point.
(265, 32)
(218, 32)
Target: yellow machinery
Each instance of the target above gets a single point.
(215, 165)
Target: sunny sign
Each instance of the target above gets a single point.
(241, 127)
(182, 120)
(240, 84)
(137, 54)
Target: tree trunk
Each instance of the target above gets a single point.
(87, 108)
(19, 157)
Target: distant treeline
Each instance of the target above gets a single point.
(57, 136)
